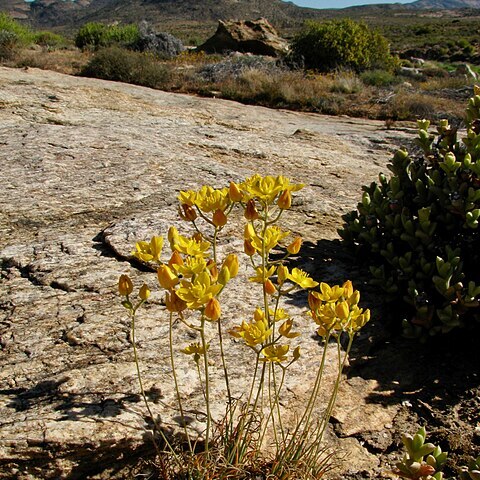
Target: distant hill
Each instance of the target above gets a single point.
(445, 4)
(196, 17)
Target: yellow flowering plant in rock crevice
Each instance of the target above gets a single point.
(194, 277)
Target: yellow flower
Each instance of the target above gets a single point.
(358, 319)
(209, 199)
(275, 353)
(279, 314)
(195, 349)
(253, 333)
(199, 291)
(301, 278)
(190, 246)
(267, 188)
(262, 274)
(144, 292)
(273, 235)
(329, 294)
(285, 329)
(191, 266)
(325, 315)
(187, 197)
(125, 285)
(166, 277)
(148, 251)
(213, 310)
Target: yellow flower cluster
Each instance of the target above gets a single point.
(335, 309)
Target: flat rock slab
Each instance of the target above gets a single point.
(88, 168)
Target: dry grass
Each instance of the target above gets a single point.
(262, 82)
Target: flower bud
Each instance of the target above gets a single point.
(313, 301)
(296, 353)
(125, 285)
(144, 292)
(213, 269)
(166, 278)
(348, 289)
(342, 310)
(213, 310)
(231, 263)
(249, 232)
(172, 236)
(224, 276)
(248, 248)
(295, 246)
(198, 237)
(175, 259)
(251, 212)
(219, 218)
(189, 214)
(235, 193)
(285, 200)
(282, 274)
(174, 303)
(269, 287)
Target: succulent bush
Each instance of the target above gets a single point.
(341, 44)
(472, 472)
(419, 228)
(422, 461)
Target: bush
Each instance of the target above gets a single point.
(49, 40)
(121, 65)
(419, 229)
(9, 43)
(378, 78)
(341, 44)
(95, 35)
(9, 25)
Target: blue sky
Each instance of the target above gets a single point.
(342, 3)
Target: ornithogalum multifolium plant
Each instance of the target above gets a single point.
(194, 277)
(419, 228)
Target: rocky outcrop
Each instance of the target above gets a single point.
(88, 168)
(257, 37)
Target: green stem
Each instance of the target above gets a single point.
(207, 382)
(175, 380)
(142, 391)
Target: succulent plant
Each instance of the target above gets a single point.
(422, 461)
(419, 229)
(472, 472)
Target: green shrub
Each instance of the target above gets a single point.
(419, 229)
(341, 44)
(8, 24)
(95, 35)
(118, 64)
(49, 40)
(378, 78)
(9, 43)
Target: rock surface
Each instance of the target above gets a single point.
(247, 36)
(88, 167)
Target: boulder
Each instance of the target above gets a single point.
(249, 36)
(160, 43)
